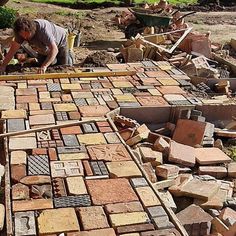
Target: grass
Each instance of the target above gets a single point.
(71, 2)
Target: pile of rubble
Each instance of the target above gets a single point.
(194, 176)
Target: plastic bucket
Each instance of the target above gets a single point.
(71, 41)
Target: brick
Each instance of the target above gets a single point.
(134, 228)
(52, 154)
(74, 149)
(130, 218)
(27, 99)
(147, 196)
(39, 151)
(42, 119)
(156, 211)
(193, 215)
(123, 207)
(161, 145)
(103, 232)
(112, 138)
(219, 227)
(70, 86)
(26, 91)
(87, 168)
(73, 156)
(25, 223)
(226, 214)
(20, 192)
(99, 168)
(148, 155)
(14, 125)
(59, 188)
(7, 98)
(65, 107)
(70, 140)
(66, 98)
(136, 139)
(150, 172)
(28, 205)
(76, 185)
(74, 115)
(82, 94)
(72, 201)
(93, 217)
(37, 179)
(152, 101)
(112, 105)
(124, 169)
(92, 101)
(89, 128)
(189, 132)
(232, 169)
(91, 139)
(209, 156)
(162, 222)
(170, 90)
(138, 182)
(215, 171)
(14, 114)
(94, 111)
(57, 221)
(182, 154)
(54, 87)
(117, 190)
(18, 172)
(167, 171)
(18, 157)
(38, 165)
(162, 232)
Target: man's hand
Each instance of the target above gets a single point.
(42, 70)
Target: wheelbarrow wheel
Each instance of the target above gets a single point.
(132, 30)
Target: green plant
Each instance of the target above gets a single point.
(232, 152)
(7, 17)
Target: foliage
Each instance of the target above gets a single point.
(233, 152)
(7, 17)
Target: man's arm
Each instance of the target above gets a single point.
(13, 49)
(53, 51)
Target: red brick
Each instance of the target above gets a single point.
(66, 98)
(112, 104)
(52, 154)
(162, 232)
(71, 130)
(134, 228)
(18, 172)
(96, 111)
(74, 115)
(216, 171)
(105, 129)
(87, 168)
(27, 99)
(39, 151)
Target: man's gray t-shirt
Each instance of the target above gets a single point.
(46, 33)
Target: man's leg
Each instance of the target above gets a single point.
(62, 56)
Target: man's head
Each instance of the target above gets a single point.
(24, 27)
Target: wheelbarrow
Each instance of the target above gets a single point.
(148, 18)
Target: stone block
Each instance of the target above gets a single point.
(91, 139)
(76, 185)
(123, 169)
(93, 217)
(147, 196)
(131, 218)
(209, 156)
(117, 190)
(58, 220)
(232, 169)
(167, 171)
(215, 171)
(130, 229)
(123, 207)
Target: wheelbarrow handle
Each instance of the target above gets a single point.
(188, 14)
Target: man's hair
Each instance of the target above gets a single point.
(24, 24)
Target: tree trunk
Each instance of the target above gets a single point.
(3, 2)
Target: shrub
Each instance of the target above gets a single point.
(7, 17)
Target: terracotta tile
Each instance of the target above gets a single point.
(152, 101)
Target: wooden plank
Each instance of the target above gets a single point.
(64, 75)
(225, 133)
(50, 127)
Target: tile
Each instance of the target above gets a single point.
(89, 128)
(43, 135)
(123, 207)
(90, 111)
(73, 156)
(91, 139)
(122, 84)
(82, 94)
(14, 125)
(14, 114)
(147, 196)
(168, 82)
(72, 201)
(112, 138)
(27, 99)
(61, 116)
(152, 101)
(42, 119)
(22, 143)
(134, 230)
(125, 98)
(70, 140)
(7, 98)
(109, 152)
(65, 107)
(74, 115)
(26, 91)
(55, 87)
(76, 185)
(92, 101)
(38, 165)
(93, 217)
(25, 223)
(70, 86)
(18, 157)
(117, 190)
(170, 90)
(57, 221)
(59, 188)
(66, 168)
(138, 182)
(123, 169)
(75, 149)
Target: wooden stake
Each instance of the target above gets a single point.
(50, 127)
(64, 75)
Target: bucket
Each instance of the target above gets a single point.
(71, 41)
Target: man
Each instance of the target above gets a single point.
(48, 39)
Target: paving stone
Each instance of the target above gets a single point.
(80, 102)
(122, 84)
(70, 140)
(14, 125)
(27, 99)
(89, 128)
(123, 207)
(71, 86)
(129, 218)
(57, 221)
(109, 152)
(182, 154)
(18, 157)
(148, 155)
(61, 116)
(167, 171)
(46, 106)
(216, 171)
(59, 188)
(18, 172)
(74, 149)
(42, 119)
(209, 156)
(152, 101)
(99, 168)
(130, 229)
(25, 223)
(74, 115)
(147, 196)
(162, 222)
(103, 232)
(170, 90)
(65, 107)
(117, 190)
(192, 218)
(7, 98)
(232, 169)
(161, 145)
(26, 91)
(138, 182)
(156, 211)
(72, 201)
(82, 95)
(91, 139)
(125, 98)
(55, 87)
(38, 165)
(93, 111)
(126, 169)
(66, 168)
(20, 192)
(73, 156)
(76, 185)
(87, 168)
(112, 138)
(92, 101)
(14, 114)
(30, 205)
(189, 132)
(37, 179)
(93, 217)
(162, 232)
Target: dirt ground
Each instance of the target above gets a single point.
(99, 32)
